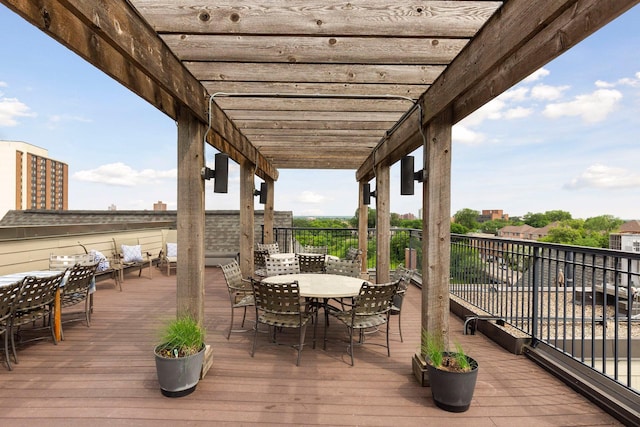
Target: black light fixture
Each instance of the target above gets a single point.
(220, 173)
(262, 193)
(407, 176)
(367, 194)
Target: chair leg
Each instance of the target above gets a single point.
(6, 348)
(13, 345)
(388, 347)
(255, 338)
(244, 316)
(400, 325)
(231, 325)
(351, 344)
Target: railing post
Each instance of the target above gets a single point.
(536, 282)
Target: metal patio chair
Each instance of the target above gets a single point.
(240, 292)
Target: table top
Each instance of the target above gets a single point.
(15, 277)
(318, 285)
(291, 255)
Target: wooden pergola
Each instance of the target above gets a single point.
(318, 84)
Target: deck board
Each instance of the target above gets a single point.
(105, 375)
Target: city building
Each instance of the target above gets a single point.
(525, 231)
(492, 215)
(159, 206)
(31, 179)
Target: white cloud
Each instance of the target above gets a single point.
(604, 85)
(517, 113)
(547, 93)
(592, 108)
(3, 84)
(537, 75)
(463, 135)
(57, 119)
(625, 81)
(311, 197)
(601, 176)
(123, 175)
(11, 109)
(516, 94)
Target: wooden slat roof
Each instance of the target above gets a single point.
(442, 55)
(358, 50)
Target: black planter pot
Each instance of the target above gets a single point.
(179, 376)
(453, 391)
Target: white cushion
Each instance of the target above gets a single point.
(172, 249)
(103, 263)
(132, 253)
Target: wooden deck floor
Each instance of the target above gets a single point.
(105, 375)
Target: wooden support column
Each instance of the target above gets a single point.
(436, 226)
(383, 224)
(363, 228)
(247, 219)
(190, 217)
(268, 212)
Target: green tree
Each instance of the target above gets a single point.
(557, 215)
(537, 220)
(458, 228)
(467, 218)
(493, 226)
(603, 223)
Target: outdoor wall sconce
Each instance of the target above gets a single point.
(407, 176)
(262, 193)
(367, 194)
(221, 173)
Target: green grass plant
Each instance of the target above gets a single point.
(182, 337)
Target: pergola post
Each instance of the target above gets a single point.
(436, 226)
(247, 218)
(190, 217)
(363, 229)
(268, 212)
(383, 225)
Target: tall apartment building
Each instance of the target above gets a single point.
(492, 215)
(31, 180)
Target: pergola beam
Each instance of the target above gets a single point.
(114, 38)
(516, 41)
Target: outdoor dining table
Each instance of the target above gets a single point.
(16, 277)
(318, 285)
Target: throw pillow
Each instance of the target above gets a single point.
(103, 263)
(172, 249)
(132, 253)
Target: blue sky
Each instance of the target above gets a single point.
(565, 138)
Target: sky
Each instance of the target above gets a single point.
(565, 138)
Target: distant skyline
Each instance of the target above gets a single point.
(565, 138)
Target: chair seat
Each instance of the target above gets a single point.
(284, 320)
(361, 321)
(244, 300)
(72, 298)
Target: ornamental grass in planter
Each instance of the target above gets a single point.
(452, 374)
(179, 357)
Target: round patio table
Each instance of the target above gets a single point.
(318, 285)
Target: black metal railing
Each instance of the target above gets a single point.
(582, 302)
(405, 243)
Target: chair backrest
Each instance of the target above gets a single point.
(79, 278)
(311, 263)
(233, 277)
(315, 250)
(271, 248)
(404, 275)
(375, 299)
(259, 258)
(8, 294)
(277, 266)
(343, 267)
(278, 298)
(353, 253)
(37, 292)
(170, 243)
(63, 262)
